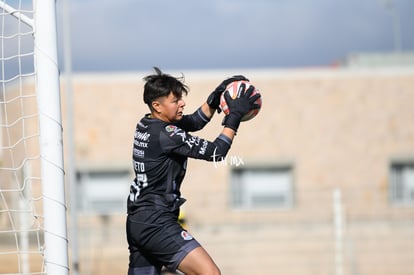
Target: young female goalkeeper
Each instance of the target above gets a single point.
(162, 145)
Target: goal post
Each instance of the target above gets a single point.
(33, 228)
(51, 144)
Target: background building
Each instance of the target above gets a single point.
(270, 206)
(321, 182)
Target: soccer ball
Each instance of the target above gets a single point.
(232, 88)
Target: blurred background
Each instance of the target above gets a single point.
(321, 182)
(318, 183)
(183, 35)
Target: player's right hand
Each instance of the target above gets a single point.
(239, 106)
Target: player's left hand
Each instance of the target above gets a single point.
(213, 99)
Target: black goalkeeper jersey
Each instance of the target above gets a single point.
(160, 154)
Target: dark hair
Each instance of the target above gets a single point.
(161, 84)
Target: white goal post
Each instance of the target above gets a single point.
(33, 229)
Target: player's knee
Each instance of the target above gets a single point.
(210, 270)
(214, 270)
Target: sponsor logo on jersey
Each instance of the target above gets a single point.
(192, 141)
(143, 136)
(186, 236)
(141, 144)
(174, 130)
(182, 135)
(139, 153)
(203, 147)
(171, 128)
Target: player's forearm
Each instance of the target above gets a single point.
(228, 132)
(207, 110)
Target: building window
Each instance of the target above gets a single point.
(103, 192)
(402, 183)
(262, 187)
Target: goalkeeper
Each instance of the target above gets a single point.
(162, 145)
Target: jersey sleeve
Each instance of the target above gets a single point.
(193, 122)
(175, 140)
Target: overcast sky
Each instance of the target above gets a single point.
(131, 35)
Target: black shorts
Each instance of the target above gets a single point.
(155, 240)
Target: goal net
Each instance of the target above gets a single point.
(33, 237)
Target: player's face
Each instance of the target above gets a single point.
(170, 108)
